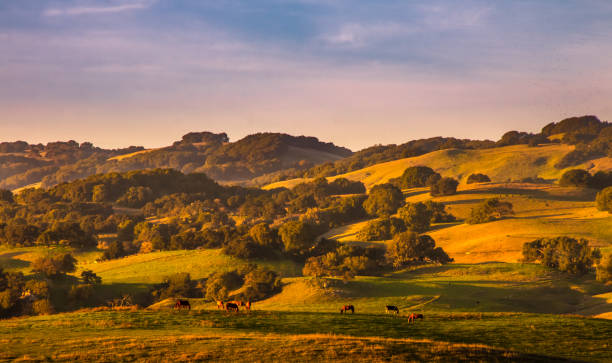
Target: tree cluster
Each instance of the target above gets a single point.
(562, 253)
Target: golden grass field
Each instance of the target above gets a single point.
(517, 162)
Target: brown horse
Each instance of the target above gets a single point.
(231, 307)
(180, 304)
(391, 309)
(412, 317)
(220, 305)
(346, 308)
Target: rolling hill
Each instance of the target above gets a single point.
(500, 164)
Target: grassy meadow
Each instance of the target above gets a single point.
(303, 336)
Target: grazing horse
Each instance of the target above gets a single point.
(220, 305)
(412, 317)
(182, 304)
(391, 309)
(346, 308)
(239, 303)
(231, 307)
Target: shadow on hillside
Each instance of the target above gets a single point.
(437, 227)
(8, 262)
(569, 195)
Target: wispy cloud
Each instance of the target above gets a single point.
(85, 10)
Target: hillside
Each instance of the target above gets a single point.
(22, 164)
(541, 210)
(501, 164)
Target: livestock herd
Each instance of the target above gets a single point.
(234, 306)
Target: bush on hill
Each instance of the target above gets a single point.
(177, 285)
(604, 268)
(489, 210)
(347, 261)
(261, 283)
(416, 216)
(582, 178)
(438, 212)
(562, 253)
(297, 236)
(383, 200)
(381, 229)
(54, 267)
(409, 248)
(604, 200)
(416, 176)
(575, 178)
(478, 178)
(444, 186)
(220, 284)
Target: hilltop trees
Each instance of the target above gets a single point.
(383, 200)
(562, 253)
(604, 200)
(489, 210)
(409, 248)
(416, 176)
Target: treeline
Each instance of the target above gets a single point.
(569, 255)
(205, 152)
(22, 163)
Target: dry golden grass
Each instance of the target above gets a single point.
(501, 164)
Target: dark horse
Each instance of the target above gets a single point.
(392, 309)
(346, 308)
(180, 304)
(412, 317)
(231, 307)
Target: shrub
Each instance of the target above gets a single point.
(490, 210)
(89, 277)
(42, 307)
(575, 178)
(54, 266)
(347, 261)
(177, 285)
(381, 229)
(416, 216)
(115, 250)
(604, 268)
(438, 212)
(408, 248)
(478, 178)
(444, 186)
(604, 200)
(415, 176)
(220, 284)
(261, 283)
(383, 200)
(562, 253)
(297, 236)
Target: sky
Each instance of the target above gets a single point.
(356, 73)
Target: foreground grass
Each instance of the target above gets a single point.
(263, 335)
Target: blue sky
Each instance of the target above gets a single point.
(358, 73)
